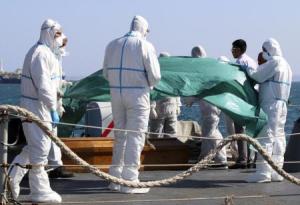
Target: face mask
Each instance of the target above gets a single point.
(60, 48)
(266, 56)
(58, 42)
(63, 52)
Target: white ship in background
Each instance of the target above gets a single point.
(9, 77)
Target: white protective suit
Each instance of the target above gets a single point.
(39, 95)
(275, 77)
(165, 119)
(210, 117)
(132, 69)
(163, 114)
(55, 156)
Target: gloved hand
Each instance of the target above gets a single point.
(55, 118)
(153, 114)
(60, 108)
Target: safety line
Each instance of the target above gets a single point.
(30, 166)
(146, 132)
(167, 181)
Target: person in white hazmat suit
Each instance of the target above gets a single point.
(39, 95)
(55, 157)
(275, 77)
(132, 69)
(163, 114)
(210, 117)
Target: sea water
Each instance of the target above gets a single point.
(10, 94)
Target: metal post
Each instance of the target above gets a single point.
(3, 155)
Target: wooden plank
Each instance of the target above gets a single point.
(98, 151)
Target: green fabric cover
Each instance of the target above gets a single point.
(222, 84)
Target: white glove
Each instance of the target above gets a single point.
(60, 108)
(153, 114)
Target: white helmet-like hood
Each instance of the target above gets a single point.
(139, 24)
(48, 30)
(272, 48)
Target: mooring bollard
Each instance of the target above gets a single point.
(3, 155)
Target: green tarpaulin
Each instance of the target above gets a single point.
(219, 83)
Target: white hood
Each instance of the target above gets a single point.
(48, 31)
(272, 47)
(140, 25)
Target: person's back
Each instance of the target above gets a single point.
(124, 49)
(131, 67)
(163, 114)
(163, 117)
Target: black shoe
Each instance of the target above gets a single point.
(60, 173)
(238, 165)
(220, 166)
(251, 165)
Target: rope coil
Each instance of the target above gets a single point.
(167, 181)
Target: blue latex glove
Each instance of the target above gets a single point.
(55, 118)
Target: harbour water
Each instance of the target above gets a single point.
(10, 94)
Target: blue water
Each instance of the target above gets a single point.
(10, 94)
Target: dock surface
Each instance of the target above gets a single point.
(206, 187)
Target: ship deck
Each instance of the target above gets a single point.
(205, 187)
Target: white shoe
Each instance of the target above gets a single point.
(258, 178)
(114, 187)
(279, 160)
(130, 190)
(276, 177)
(51, 197)
(15, 189)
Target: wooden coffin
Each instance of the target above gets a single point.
(168, 153)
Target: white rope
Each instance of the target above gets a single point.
(145, 132)
(168, 181)
(293, 105)
(29, 166)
